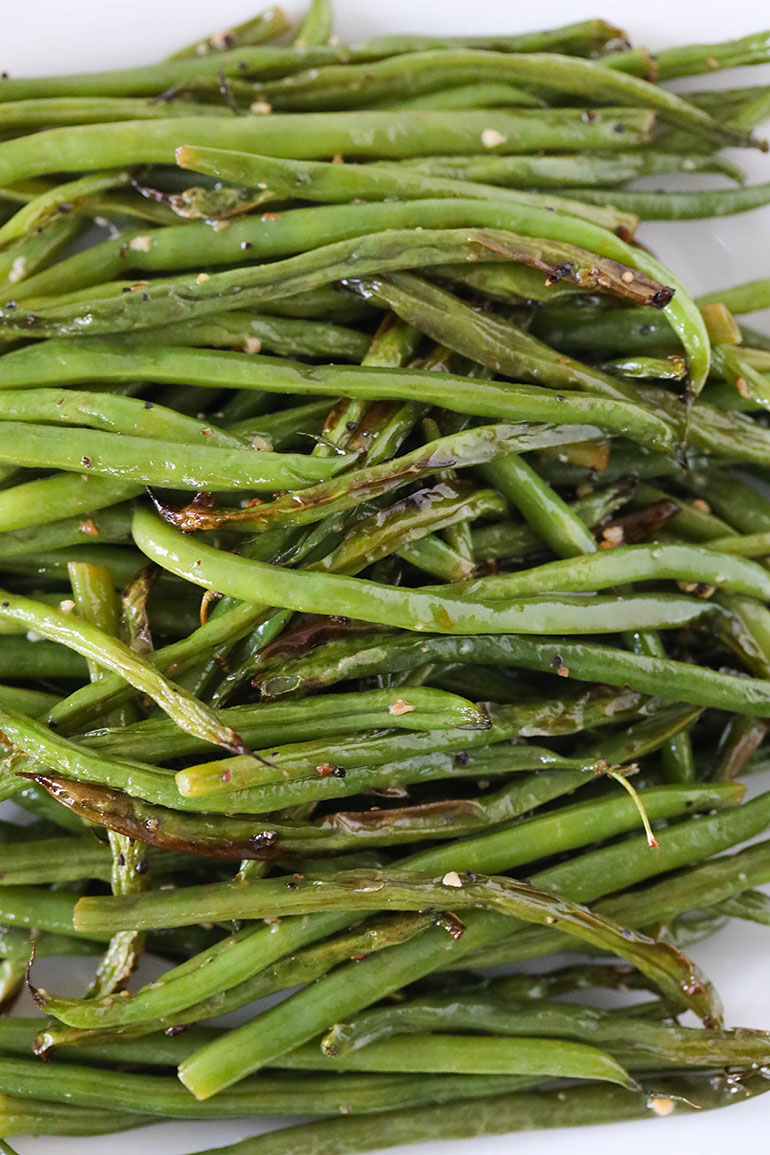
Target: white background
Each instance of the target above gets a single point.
(38, 36)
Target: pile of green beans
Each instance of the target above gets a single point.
(366, 491)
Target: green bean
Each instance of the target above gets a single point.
(342, 993)
(570, 828)
(647, 368)
(112, 525)
(751, 905)
(543, 509)
(471, 447)
(149, 461)
(481, 95)
(740, 738)
(226, 837)
(681, 312)
(94, 644)
(264, 26)
(180, 299)
(25, 1116)
(41, 210)
(519, 843)
(383, 827)
(320, 135)
(496, 1115)
(152, 79)
(92, 701)
(680, 206)
(281, 234)
(244, 371)
(316, 27)
(35, 253)
(411, 519)
(20, 116)
(138, 1017)
(625, 563)
(95, 600)
(39, 662)
(68, 859)
(584, 330)
(521, 541)
(637, 1043)
(583, 660)
(38, 908)
(738, 503)
(689, 842)
(94, 595)
(373, 602)
(285, 336)
(744, 298)
(458, 1054)
(279, 179)
(110, 413)
(565, 171)
(697, 59)
(49, 499)
(707, 884)
(157, 786)
(282, 722)
(161, 1095)
(52, 567)
(499, 345)
(27, 701)
(351, 85)
(584, 38)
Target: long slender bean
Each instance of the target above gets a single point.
(93, 643)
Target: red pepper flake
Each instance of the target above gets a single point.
(269, 216)
(88, 526)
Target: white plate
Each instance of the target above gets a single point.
(45, 36)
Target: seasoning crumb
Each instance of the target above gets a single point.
(400, 707)
(252, 345)
(140, 244)
(742, 386)
(18, 270)
(88, 525)
(490, 138)
(261, 107)
(563, 671)
(613, 536)
(700, 504)
(67, 606)
(263, 444)
(202, 278)
(660, 1105)
(451, 879)
(627, 277)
